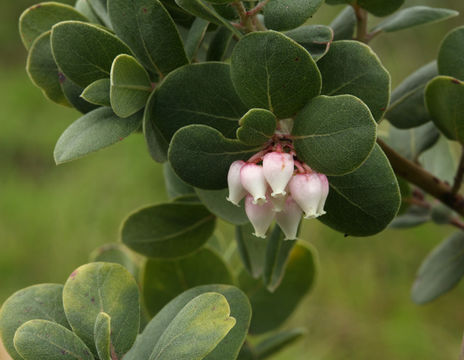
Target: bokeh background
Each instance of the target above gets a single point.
(52, 217)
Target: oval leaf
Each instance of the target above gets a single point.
(46, 340)
(44, 301)
(316, 39)
(451, 55)
(175, 187)
(228, 348)
(130, 86)
(271, 71)
(73, 93)
(441, 270)
(380, 7)
(116, 253)
(251, 250)
(444, 97)
(407, 106)
(168, 230)
(85, 52)
(334, 135)
(270, 310)
(256, 127)
(42, 70)
(195, 37)
(98, 92)
(285, 15)
(164, 279)
(147, 27)
(216, 202)
(364, 202)
(100, 9)
(414, 16)
(94, 131)
(366, 79)
(201, 156)
(40, 18)
(196, 330)
(103, 287)
(102, 335)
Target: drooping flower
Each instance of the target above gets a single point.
(324, 194)
(289, 218)
(306, 190)
(278, 169)
(260, 216)
(252, 179)
(236, 190)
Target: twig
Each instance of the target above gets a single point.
(457, 223)
(257, 8)
(245, 20)
(361, 18)
(459, 174)
(418, 176)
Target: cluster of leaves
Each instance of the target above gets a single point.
(206, 89)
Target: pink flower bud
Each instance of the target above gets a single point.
(278, 170)
(236, 190)
(306, 190)
(324, 194)
(252, 179)
(261, 216)
(289, 218)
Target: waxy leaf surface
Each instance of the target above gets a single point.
(98, 92)
(102, 336)
(451, 55)
(285, 15)
(256, 127)
(251, 249)
(316, 39)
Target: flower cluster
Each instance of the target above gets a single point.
(281, 188)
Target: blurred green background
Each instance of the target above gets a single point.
(52, 217)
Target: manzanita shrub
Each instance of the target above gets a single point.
(259, 117)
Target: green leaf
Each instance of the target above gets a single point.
(42, 301)
(444, 97)
(164, 279)
(271, 71)
(344, 24)
(219, 45)
(451, 55)
(157, 144)
(202, 9)
(40, 18)
(228, 348)
(380, 7)
(334, 135)
(270, 310)
(251, 250)
(257, 126)
(93, 131)
(366, 79)
(442, 159)
(195, 37)
(407, 106)
(365, 201)
(285, 15)
(410, 143)
(102, 335)
(194, 94)
(179, 15)
(414, 16)
(276, 342)
(116, 253)
(196, 330)
(85, 52)
(103, 287)
(130, 86)
(216, 202)
(147, 27)
(316, 39)
(42, 70)
(46, 340)
(100, 9)
(441, 270)
(73, 92)
(168, 230)
(413, 217)
(98, 92)
(175, 187)
(277, 256)
(85, 9)
(201, 156)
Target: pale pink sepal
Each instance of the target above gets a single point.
(252, 179)
(289, 219)
(260, 216)
(306, 190)
(278, 170)
(324, 194)
(236, 190)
